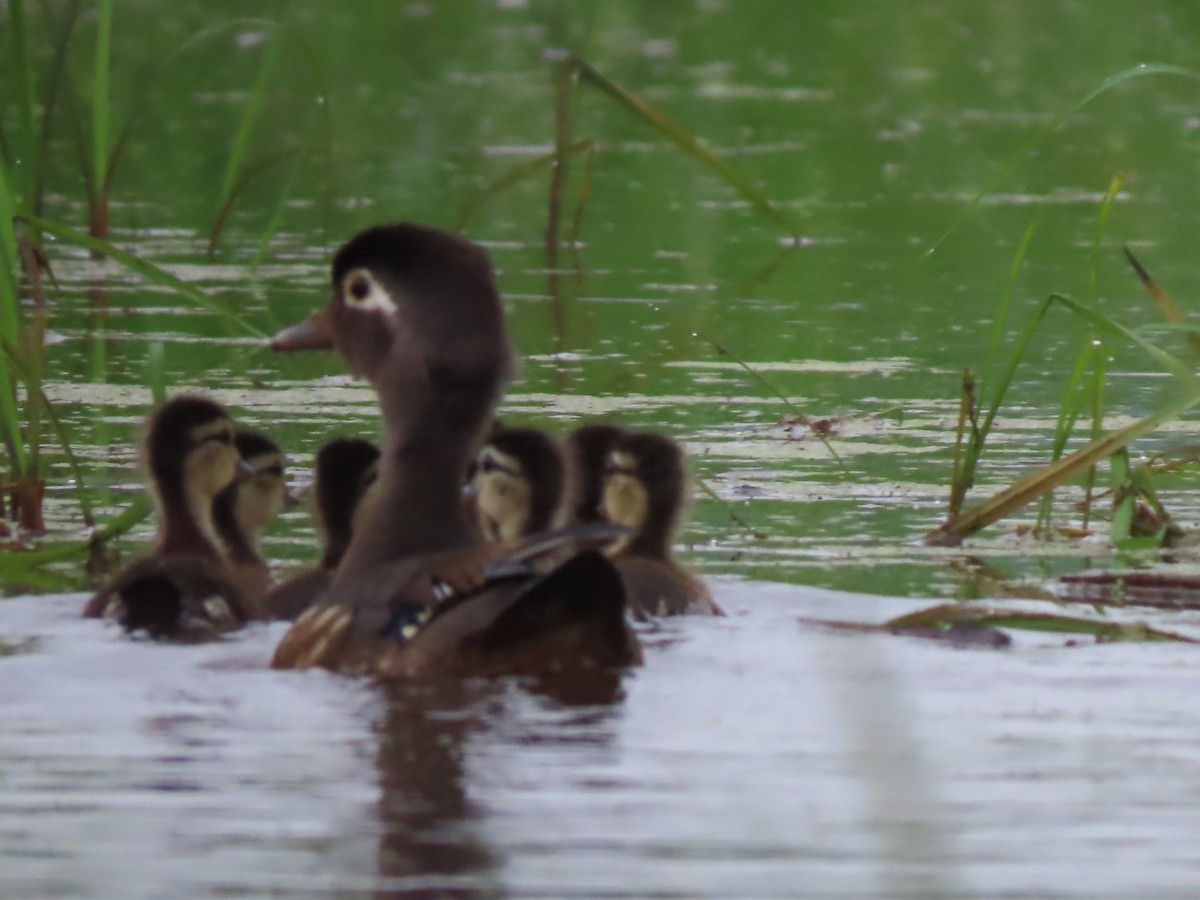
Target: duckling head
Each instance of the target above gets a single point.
(645, 489)
(345, 469)
(517, 478)
(265, 494)
(587, 450)
(189, 448)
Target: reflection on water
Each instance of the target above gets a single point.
(750, 757)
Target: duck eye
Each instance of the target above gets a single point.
(359, 287)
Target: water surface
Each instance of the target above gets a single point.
(750, 757)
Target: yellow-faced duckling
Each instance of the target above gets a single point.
(645, 489)
(245, 508)
(517, 483)
(415, 311)
(344, 470)
(586, 452)
(184, 589)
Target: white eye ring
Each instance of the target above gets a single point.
(360, 290)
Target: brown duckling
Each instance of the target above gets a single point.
(184, 589)
(415, 311)
(517, 483)
(244, 509)
(344, 470)
(586, 452)
(645, 489)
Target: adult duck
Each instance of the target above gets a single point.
(415, 311)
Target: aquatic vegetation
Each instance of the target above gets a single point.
(26, 416)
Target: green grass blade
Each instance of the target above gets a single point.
(13, 566)
(156, 372)
(1010, 371)
(1068, 415)
(1050, 476)
(246, 175)
(1108, 326)
(1139, 71)
(1005, 304)
(515, 175)
(53, 79)
(33, 385)
(795, 410)
(25, 139)
(100, 94)
(1106, 206)
(151, 272)
(250, 114)
(10, 327)
(686, 141)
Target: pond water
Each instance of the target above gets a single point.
(752, 756)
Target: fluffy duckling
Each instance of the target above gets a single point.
(184, 589)
(344, 470)
(586, 452)
(645, 489)
(415, 311)
(243, 510)
(517, 483)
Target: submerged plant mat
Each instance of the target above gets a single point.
(941, 617)
(1160, 589)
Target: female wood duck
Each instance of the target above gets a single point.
(645, 488)
(415, 311)
(244, 509)
(344, 470)
(516, 482)
(184, 589)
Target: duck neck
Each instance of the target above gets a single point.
(240, 547)
(185, 522)
(416, 504)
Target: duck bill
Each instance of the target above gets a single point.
(243, 472)
(314, 333)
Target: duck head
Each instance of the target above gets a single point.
(190, 448)
(415, 312)
(517, 480)
(265, 494)
(644, 489)
(345, 469)
(586, 452)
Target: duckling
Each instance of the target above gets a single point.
(645, 488)
(517, 481)
(344, 470)
(415, 311)
(183, 589)
(243, 510)
(586, 452)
